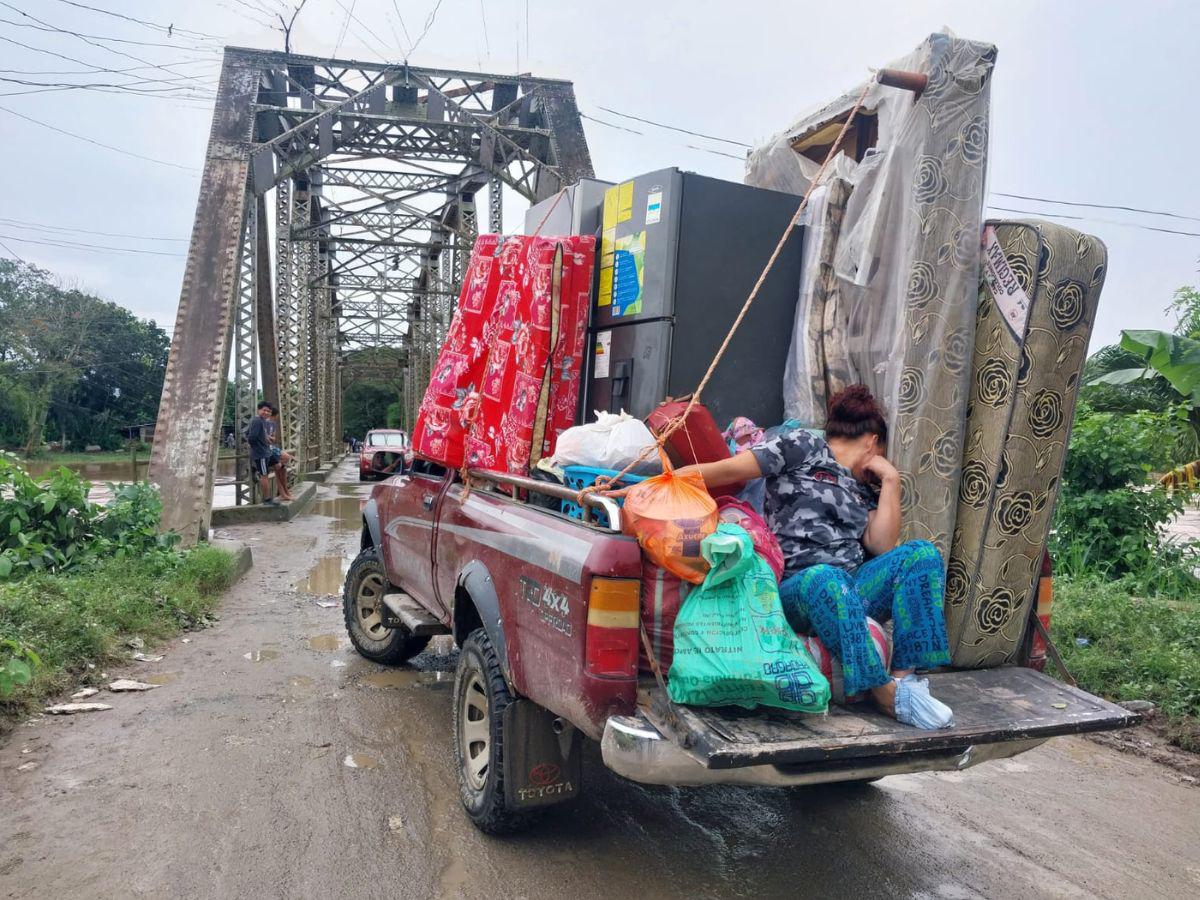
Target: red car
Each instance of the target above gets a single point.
(380, 453)
(545, 609)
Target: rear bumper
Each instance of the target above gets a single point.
(635, 749)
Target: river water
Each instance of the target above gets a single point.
(123, 471)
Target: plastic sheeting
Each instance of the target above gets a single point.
(890, 301)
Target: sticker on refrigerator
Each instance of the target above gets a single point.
(1002, 281)
(603, 354)
(629, 262)
(654, 206)
(625, 202)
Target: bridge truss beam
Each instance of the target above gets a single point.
(372, 172)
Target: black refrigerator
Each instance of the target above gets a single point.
(679, 254)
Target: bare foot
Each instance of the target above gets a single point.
(885, 697)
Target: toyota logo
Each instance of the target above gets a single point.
(544, 774)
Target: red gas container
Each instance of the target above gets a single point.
(698, 441)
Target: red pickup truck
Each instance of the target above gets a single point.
(545, 609)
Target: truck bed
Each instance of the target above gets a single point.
(991, 706)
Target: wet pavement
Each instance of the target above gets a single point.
(275, 762)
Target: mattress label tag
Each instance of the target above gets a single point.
(1002, 282)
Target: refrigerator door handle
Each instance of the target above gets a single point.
(622, 377)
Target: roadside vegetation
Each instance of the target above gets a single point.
(79, 580)
(1127, 596)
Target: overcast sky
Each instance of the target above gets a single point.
(1092, 102)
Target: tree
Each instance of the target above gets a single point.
(44, 337)
(67, 357)
(364, 406)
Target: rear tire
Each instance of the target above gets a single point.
(480, 698)
(362, 602)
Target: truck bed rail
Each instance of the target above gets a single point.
(561, 492)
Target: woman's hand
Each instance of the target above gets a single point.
(881, 468)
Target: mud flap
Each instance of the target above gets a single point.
(542, 767)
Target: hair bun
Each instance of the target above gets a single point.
(854, 404)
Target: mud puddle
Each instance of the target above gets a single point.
(360, 761)
(324, 643)
(326, 576)
(345, 510)
(161, 678)
(263, 654)
(403, 678)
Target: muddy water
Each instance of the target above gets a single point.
(360, 761)
(262, 655)
(161, 678)
(402, 678)
(346, 511)
(326, 576)
(324, 643)
(113, 470)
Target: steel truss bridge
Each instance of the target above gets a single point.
(338, 206)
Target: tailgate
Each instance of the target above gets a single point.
(990, 706)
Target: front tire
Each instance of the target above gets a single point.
(362, 606)
(480, 698)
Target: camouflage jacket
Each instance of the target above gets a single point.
(816, 508)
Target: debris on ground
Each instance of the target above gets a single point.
(85, 693)
(327, 604)
(146, 657)
(27, 767)
(126, 684)
(395, 824)
(1137, 706)
(135, 643)
(69, 709)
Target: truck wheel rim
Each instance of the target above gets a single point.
(475, 733)
(367, 603)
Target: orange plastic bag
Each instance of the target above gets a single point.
(670, 514)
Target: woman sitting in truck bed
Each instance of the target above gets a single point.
(833, 502)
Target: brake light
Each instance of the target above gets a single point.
(1045, 603)
(612, 627)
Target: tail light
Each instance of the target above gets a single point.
(1045, 602)
(612, 627)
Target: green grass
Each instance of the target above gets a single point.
(86, 617)
(1137, 648)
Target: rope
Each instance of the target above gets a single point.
(605, 482)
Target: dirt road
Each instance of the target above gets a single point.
(275, 763)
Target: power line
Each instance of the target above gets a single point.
(169, 29)
(486, 41)
(429, 20)
(89, 140)
(698, 134)
(1049, 215)
(99, 69)
(93, 70)
(74, 245)
(1133, 209)
(93, 43)
(140, 237)
(46, 26)
(345, 25)
(11, 252)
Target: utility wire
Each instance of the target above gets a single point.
(73, 245)
(93, 43)
(92, 70)
(698, 134)
(96, 143)
(1133, 209)
(429, 20)
(42, 226)
(46, 26)
(345, 24)
(1026, 212)
(169, 29)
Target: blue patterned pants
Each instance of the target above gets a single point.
(905, 584)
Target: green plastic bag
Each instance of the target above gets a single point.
(733, 646)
